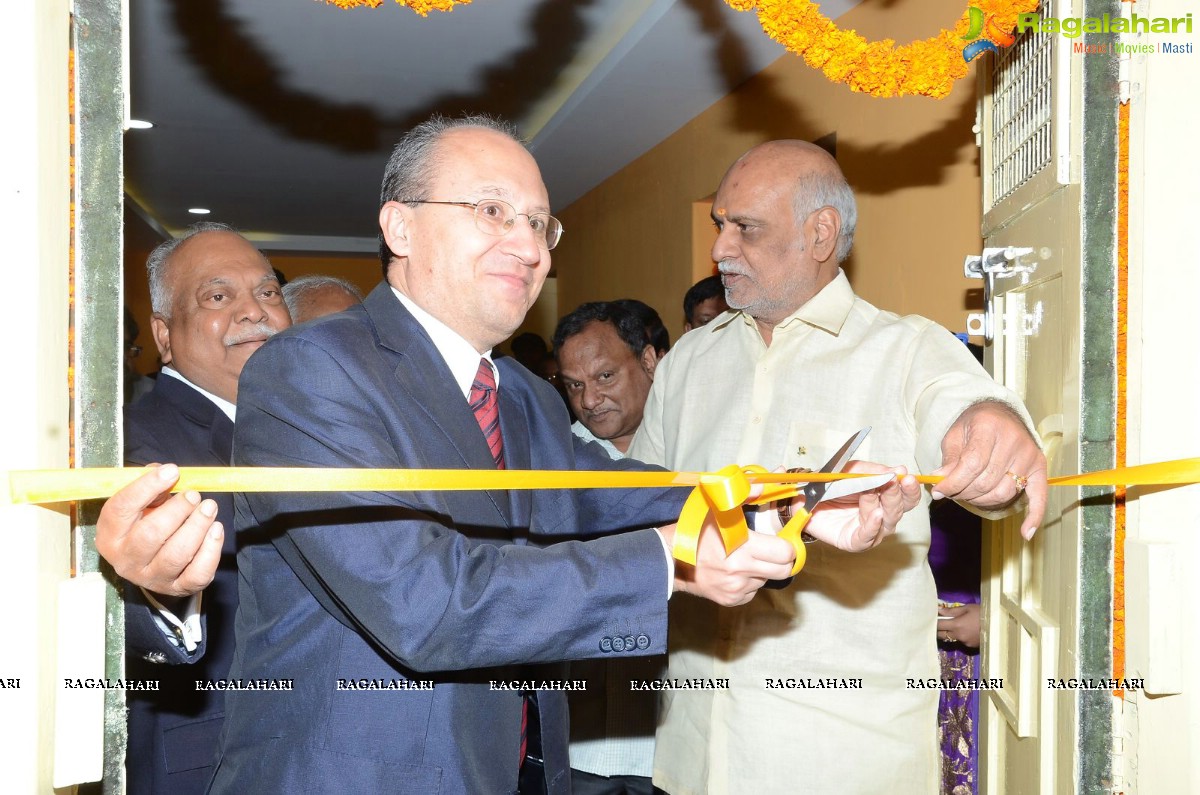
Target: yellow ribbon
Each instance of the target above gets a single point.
(723, 498)
(1162, 473)
(721, 494)
(65, 485)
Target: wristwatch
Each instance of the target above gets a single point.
(784, 509)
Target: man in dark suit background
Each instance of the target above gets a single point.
(215, 300)
(399, 588)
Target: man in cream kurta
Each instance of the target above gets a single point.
(817, 699)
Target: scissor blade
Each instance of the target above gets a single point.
(849, 486)
(843, 456)
(815, 492)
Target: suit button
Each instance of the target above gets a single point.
(643, 642)
(629, 643)
(606, 644)
(618, 643)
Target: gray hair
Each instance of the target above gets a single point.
(828, 188)
(410, 169)
(295, 291)
(156, 263)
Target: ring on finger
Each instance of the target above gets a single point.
(1020, 480)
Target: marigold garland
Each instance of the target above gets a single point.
(422, 7)
(880, 68)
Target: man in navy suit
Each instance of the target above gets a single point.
(357, 602)
(215, 301)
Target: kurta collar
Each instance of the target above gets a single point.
(827, 310)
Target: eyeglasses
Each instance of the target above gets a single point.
(133, 351)
(496, 217)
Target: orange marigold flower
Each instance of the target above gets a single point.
(926, 68)
(422, 7)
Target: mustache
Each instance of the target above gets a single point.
(726, 266)
(260, 330)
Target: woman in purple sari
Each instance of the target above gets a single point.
(954, 556)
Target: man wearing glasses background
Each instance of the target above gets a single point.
(343, 594)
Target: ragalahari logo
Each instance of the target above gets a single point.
(980, 25)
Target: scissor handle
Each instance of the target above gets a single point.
(792, 532)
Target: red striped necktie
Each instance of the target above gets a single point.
(487, 413)
(487, 410)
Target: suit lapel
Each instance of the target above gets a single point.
(425, 381)
(515, 428)
(220, 440)
(204, 413)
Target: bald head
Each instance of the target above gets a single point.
(311, 297)
(794, 152)
(813, 177)
(785, 218)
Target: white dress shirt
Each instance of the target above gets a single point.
(184, 629)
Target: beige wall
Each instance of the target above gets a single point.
(362, 271)
(912, 162)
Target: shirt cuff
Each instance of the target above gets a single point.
(670, 563)
(766, 520)
(187, 632)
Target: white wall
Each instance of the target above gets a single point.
(34, 197)
(1161, 727)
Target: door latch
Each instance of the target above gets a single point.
(995, 263)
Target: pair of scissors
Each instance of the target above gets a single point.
(817, 493)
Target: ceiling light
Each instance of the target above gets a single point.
(138, 124)
(199, 210)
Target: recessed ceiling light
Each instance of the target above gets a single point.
(199, 210)
(138, 124)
